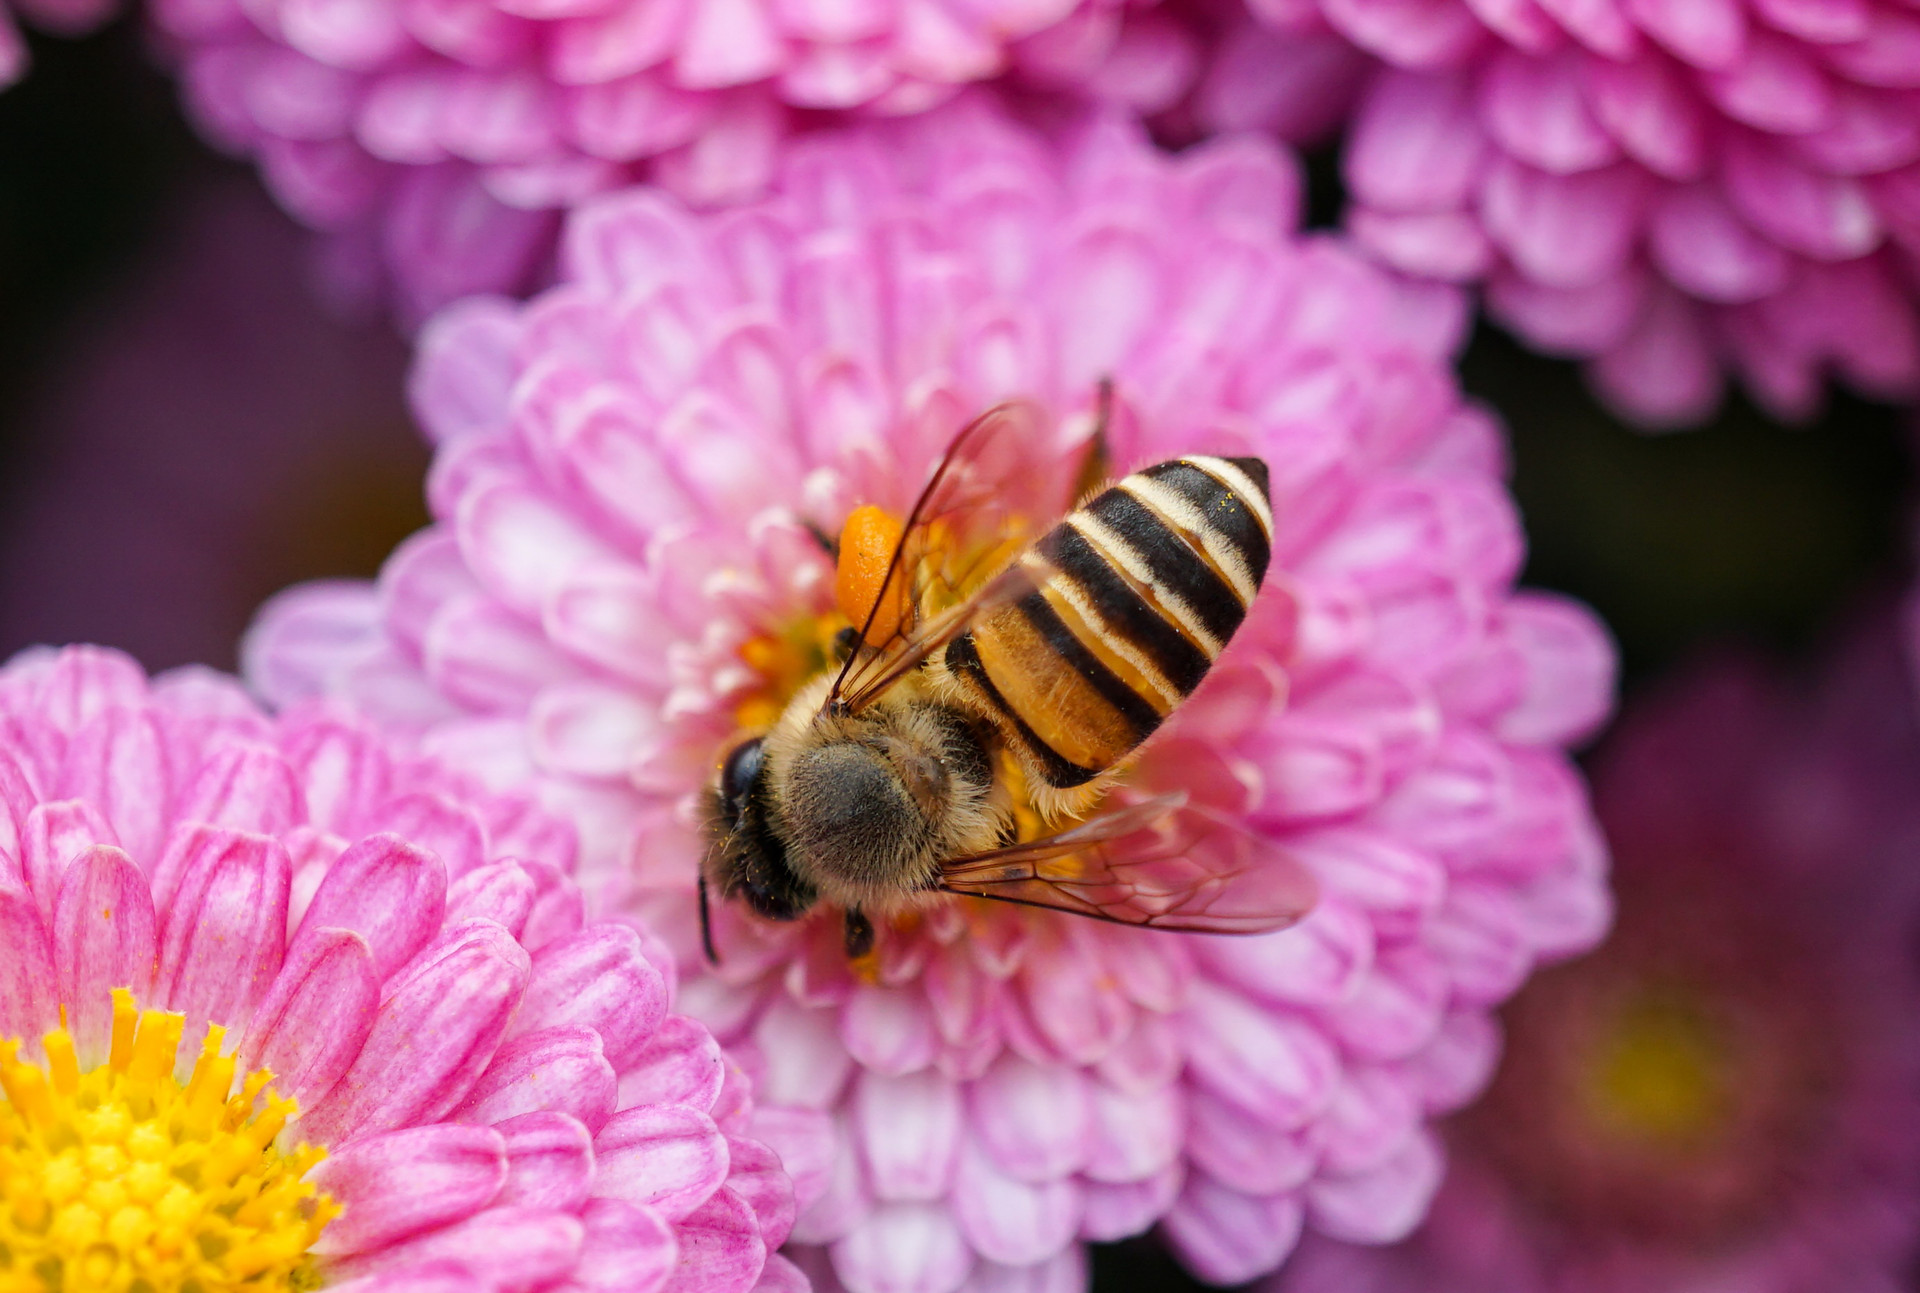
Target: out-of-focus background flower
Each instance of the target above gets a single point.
(186, 426)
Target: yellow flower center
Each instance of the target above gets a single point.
(122, 1179)
(1659, 1074)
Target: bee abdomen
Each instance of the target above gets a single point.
(1135, 595)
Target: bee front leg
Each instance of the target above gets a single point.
(859, 934)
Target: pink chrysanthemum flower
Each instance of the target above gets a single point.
(1722, 1096)
(623, 577)
(417, 1068)
(439, 138)
(1671, 190)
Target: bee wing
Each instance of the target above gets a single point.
(1164, 863)
(983, 500)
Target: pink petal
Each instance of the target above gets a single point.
(387, 891)
(316, 1015)
(247, 787)
(1534, 108)
(1371, 1118)
(1706, 33)
(1408, 33)
(1707, 251)
(1011, 1221)
(909, 1133)
(889, 1030)
(755, 1174)
(1867, 133)
(679, 1063)
(1381, 1206)
(1826, 217)
(1233, 1148)
(522, 1250)
(1136, 1135)
(549, 1161)
(720, 1248)
(726, 43)
(503, 893)
(1649, 107)
(103, 938)
(29, 991)
(805, 1141)
(119, 763)
(598, 978)
(223, 933)
(629, 1249)
(1112, 1212)
(1447, 245)
(1227, 1237)
(1563, 230)
(52, 837)
(433, 1037)
(1664, 373)
(904, 1248)
(1269, 1062)
(1824, 22)
(670, 1158)
(1889, 53)
(1034, 1122)
(1569, 320)
(1570, 671)
(1774, 87)
(560, 1069)
(404, 1182)
(1416, 143)
(443, 826)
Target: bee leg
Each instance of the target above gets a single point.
(828, 544)
(1096, 466)
(706, 926)
(859, 934)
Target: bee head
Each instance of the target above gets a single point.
(748, 860)
(863, 811)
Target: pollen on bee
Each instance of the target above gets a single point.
(867, 543)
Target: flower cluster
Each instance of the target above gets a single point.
(438, 140)
(1722, 1097)
(418, 1065)
(630, 468)
(1673, 191)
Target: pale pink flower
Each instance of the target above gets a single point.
(1674, 191)
(438, 139)
(1722, 1096)
(503, 1099)
(624, 469)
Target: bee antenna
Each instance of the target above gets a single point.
(706, 925)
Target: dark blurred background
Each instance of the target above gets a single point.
(185, 428)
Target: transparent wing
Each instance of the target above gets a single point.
(1164, 863)
(986, 500)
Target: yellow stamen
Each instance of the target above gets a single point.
(122, 1179)
(1659, 1074)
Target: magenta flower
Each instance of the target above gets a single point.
(1722, 1096)
(1672, 191)
(621, 579)
(439, 138)
(419, 1068)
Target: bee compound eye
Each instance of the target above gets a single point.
(737, 776)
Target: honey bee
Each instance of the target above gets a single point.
(899, 776)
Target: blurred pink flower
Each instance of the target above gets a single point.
(1673, 191)
(1722, 1097)
(60, 17)
(503, 1099)
(624, 467)
(439, 139)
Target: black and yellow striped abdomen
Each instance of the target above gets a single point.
(1134, 596)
